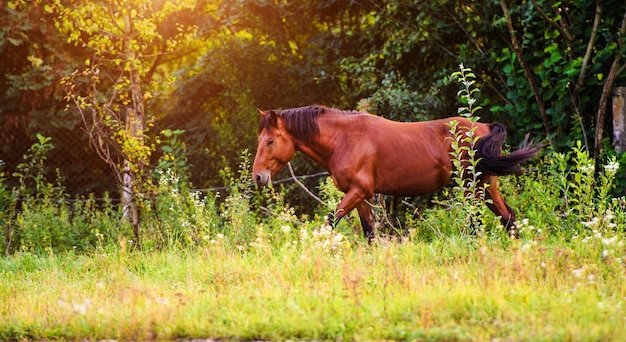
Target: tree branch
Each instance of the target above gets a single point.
(590, 44)
(606, 89)
(526, 68)
(565, 32)
(295, 179)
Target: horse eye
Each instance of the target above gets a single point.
(270, 142)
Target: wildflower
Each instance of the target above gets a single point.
(81, 308)
(286, 229)
(304, 234)
(591, 223)
(611, 167)
(578, 272)
(610, 241)
(336, 240)
(588, 168)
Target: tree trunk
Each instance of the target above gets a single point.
(608, 87)
(130, 209)
(529, 75)
(134, 158)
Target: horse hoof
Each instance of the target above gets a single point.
(329, 220)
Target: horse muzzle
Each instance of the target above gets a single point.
(262, 178)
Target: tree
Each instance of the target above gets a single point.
(127, 41)
(571, 71)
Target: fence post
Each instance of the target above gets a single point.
(619, 118)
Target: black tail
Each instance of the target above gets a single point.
(488, 151)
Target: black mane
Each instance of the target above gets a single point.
(301, 122)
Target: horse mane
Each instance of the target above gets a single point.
(301, 122)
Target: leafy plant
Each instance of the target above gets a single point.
(469, 191)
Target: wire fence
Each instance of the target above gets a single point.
(75, 167)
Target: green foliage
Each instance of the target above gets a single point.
(236, 209)
(174, 155)
(469, 191)
(396, 100)
(31, 172)
(180, 217)
(38, 218)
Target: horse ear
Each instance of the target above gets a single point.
(273, 118)
(261, 113)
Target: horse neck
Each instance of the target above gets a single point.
(322, 147)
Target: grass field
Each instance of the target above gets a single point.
(220, 270)
(318, 287)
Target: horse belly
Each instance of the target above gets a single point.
(412, 182)
(423, 170)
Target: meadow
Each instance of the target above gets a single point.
(213, 268)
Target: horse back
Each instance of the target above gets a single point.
(412, 158)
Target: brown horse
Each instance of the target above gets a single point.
(367, 154)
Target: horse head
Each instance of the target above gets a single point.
(275, 150)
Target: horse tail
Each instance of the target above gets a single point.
(489, 149)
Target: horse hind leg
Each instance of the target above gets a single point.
(499, 207)
(365, 214)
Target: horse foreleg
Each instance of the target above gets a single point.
(501, 208)
(355, 198)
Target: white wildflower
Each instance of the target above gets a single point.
(81, 308)
(591, 223)
(588, 168)
(578, 272)
(610, 241)
(611, 167)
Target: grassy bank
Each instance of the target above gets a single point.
(315, 286)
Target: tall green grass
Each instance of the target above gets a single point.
(311, 285)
